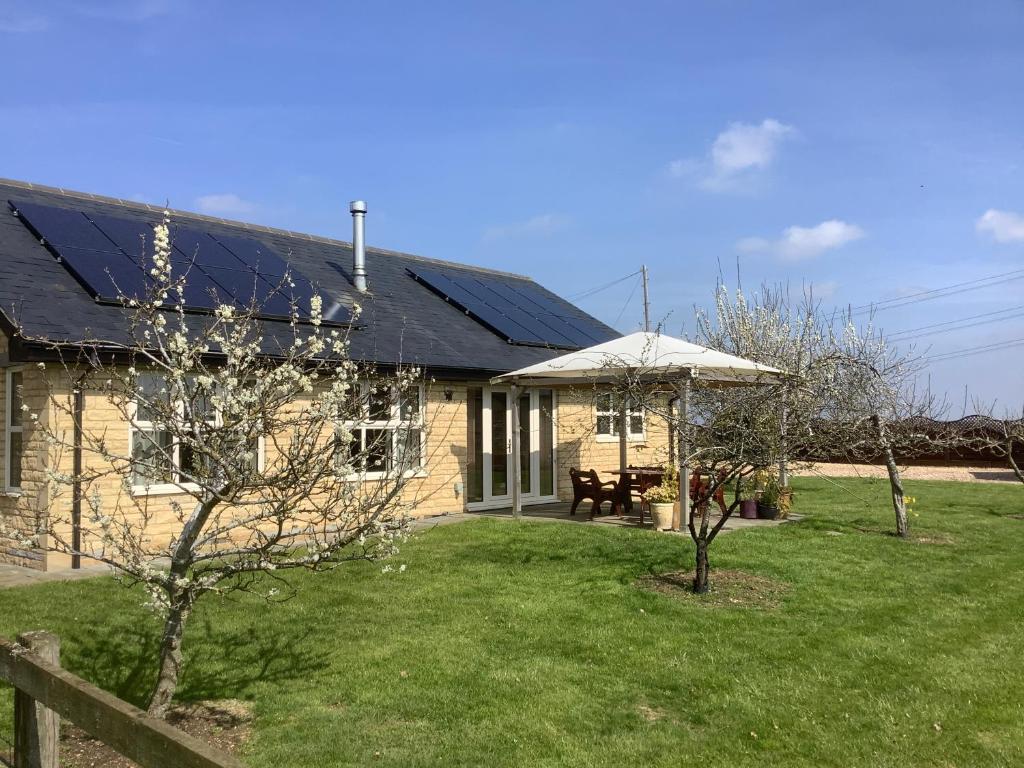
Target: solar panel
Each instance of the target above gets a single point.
(202, 249)
(516, 309)
(256, 256)
(91, 258)
(105, 275)
(59, 226)
(134, 237)
(110, 256)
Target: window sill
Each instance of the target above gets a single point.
(615, 438)
(369, 477)
(165, 489)
(12, 493)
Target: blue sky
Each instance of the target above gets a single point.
(870, 149)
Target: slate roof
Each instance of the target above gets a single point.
(402, 321)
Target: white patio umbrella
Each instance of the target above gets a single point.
(642, 355)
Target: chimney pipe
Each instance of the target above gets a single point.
(358, 209)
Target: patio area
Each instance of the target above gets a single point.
(559, 512)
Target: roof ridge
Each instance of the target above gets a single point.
(248, 226)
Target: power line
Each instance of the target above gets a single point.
(953, 354)
(932, 328)
(938, 293)
(591, 291)
(628, 300)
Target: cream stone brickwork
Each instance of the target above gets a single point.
(580, 447)
(438, 489)
(19, 508)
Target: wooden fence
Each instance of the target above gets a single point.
(44, 693)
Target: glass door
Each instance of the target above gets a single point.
(525, 444)
(500, 443)
(489, 458)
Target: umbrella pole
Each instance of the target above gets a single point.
(683, 453)
(783, 458)
(627, 499)
(517, 502)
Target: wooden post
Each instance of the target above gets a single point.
(517, 470)
(36, 728)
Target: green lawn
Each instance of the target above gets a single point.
(529, 645)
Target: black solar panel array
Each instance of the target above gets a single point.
(111, 257)
(517, 310)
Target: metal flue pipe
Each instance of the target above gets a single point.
(358, 210)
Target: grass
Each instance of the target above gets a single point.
(509, 644)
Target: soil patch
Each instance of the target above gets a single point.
(931, 538)
(736, 589)
(224, 724)
(650, 714)
(934, 538)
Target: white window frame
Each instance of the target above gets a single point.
(612, 411)
(394, 425)
(162, 489)
(10, 428)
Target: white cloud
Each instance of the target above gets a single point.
(1003, 226)
(541, 225)
(736, 155)
(753, 245)
(824, 290)
(226, 204)
(679, 169)
(800, 243)
(742, 146)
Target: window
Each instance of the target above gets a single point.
(387, 433)
(608, 418)
(13, 430)
(158, 460)
(153, 454)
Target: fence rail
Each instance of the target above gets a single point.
(44, 693)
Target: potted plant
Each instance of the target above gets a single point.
(748, 502)
(662, 499)
(768, 502)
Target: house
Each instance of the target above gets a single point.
(415, 310)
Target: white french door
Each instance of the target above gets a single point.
(490, 458)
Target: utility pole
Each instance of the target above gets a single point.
(647, 303)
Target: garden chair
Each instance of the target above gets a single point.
(587, 485)
(699, 486)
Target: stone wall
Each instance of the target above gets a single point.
(20, 509)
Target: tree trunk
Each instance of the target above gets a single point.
(899, 504)
(1013, 464)
(700, 575)
(170, 659)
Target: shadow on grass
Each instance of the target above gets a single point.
(235, 660)
(122, 659)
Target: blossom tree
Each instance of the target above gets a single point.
(725, 433)
(254, 428)
(873, 408)
(853, 395)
